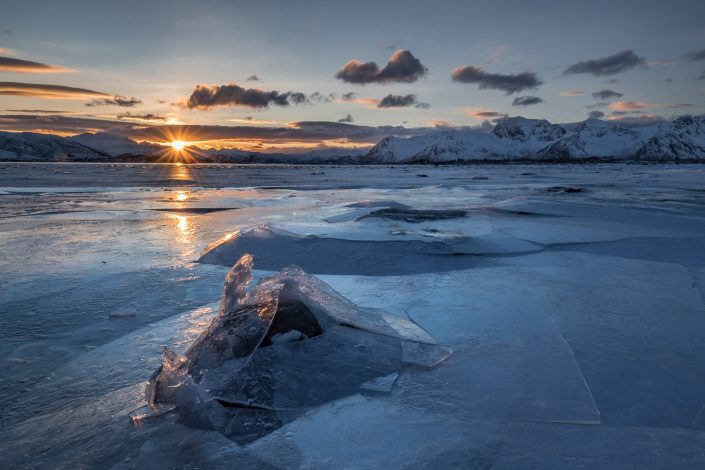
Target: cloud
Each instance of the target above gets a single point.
(601, 104)
(306, 132)
(607, 94)
(37, 90)
(484, 114)
(572, 93)
(401, 101)
(58, 124)
(636, 105)
(629, 105)
(402, 67)
(9, 64)
(527, 101)
(700, 55)
(36, 111)
(511, 83)
(318, 97)
(205, 97)
(702, 75)
(352, 98)
(637, 121)
(143, 117)
(444, 124)
(596, 114)
(116, 100)
(252, 78)
(610, 65)
(252, 120)
(347, 118)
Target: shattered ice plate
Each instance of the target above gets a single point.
(289, 344)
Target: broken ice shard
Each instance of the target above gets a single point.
(289, 344)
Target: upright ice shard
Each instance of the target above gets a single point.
(289, 344)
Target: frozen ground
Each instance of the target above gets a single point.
(577, 319)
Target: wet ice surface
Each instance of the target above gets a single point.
(577, 319)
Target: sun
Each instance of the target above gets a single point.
(177, 145)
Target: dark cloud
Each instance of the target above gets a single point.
(347, 119)
(252, 78)
(296, 97)
(610, 65)
(231, 94)
(601, 104)
(702, 75)
(511, 83)
(142, 117)
(60, 124)
(318, 97)
(116, 100)
(401, 101)
(348, 96)
(304, 131)
(38, 90)
(607, 94)
(700, 55)
(668, 80)
(596, 114)
(486, 115)
(527, 101)
(402, 67)
(9, 64)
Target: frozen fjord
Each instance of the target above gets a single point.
(576, 318)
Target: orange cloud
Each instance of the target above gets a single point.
(482, 114)
(250, 121)
(635, 105)
(364, 101)
(9, 64)
(38, 90)
(630, 105)
(572, 93)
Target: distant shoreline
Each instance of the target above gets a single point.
(572, 161)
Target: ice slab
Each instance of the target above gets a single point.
(289, 344)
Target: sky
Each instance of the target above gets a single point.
(272, 75)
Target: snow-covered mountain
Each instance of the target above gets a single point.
(115, 145)
(514, 138)
(520, 138)
(596, 139)
(32, 147)
(678, 139)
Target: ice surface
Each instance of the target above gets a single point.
(576, 319)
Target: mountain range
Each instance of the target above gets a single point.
(510, 139)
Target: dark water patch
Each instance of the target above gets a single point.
(414, 216)
(195, 210)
